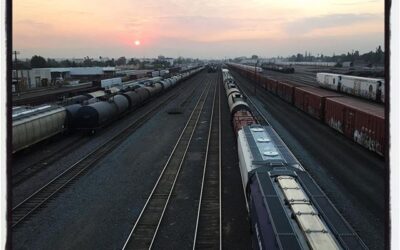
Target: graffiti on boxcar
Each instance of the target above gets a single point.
(336, 124)
(312, 111)
(365, 137)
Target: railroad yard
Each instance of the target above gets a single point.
(352, 177)
(170, 170)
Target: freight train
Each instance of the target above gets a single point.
(87, 112)
(288, 69)
(367, 88)
(287, 209)
(247, 67)
(359, 120)
(212, 68)
(155, 73)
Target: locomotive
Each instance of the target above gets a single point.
(288, 69)
(287, 208)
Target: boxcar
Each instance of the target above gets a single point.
(262, 81)
(272, 85)
(312, 100)
(285, 90)
(359, 120)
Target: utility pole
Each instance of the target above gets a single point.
(255, 77)
(16, 69)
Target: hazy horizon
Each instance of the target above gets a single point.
(200, 29)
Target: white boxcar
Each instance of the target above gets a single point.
(36, 124)
(368, 88)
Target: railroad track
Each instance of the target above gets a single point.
(146, 226)
(208, 232)
(301, 78)
(21, 176)
(35, 201)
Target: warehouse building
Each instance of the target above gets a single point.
(45, 77)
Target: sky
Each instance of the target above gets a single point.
(206, 29)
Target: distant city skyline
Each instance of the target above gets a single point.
(198, 29)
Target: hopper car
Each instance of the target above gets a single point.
(88, 112)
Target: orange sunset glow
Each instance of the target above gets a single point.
(205, 29)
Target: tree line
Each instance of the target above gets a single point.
(376, 57)
(40, 62)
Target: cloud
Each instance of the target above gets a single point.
(201, 28)
(346, 3)
(309, 24)
(196, 23)
(212, 28)
(32, 24)
(77, 12)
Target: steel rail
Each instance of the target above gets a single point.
(21, 176)
(36, 200)
(206, 235)
(147, 224)
(220, 160)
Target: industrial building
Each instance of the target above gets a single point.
(44, 77)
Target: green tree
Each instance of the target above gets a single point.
(133, 61)
(121, 61)
(52, 63)
(38, 62)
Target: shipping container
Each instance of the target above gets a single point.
(361, 121)
(312, 100)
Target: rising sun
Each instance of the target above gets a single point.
(137, 42)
